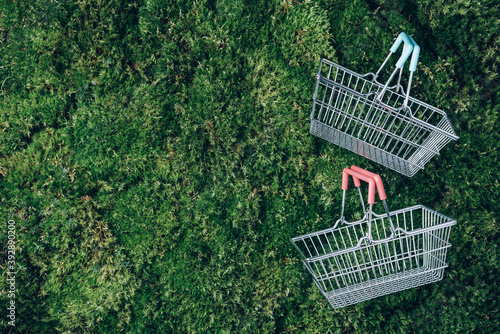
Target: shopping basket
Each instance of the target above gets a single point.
(379, 254)
(376, 121)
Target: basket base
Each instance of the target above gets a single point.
(362, 148)
(383, 286)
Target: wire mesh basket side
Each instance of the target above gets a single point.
(411, 279)
(346, 112)
(364, 149)
(346, 272)
(364, 84)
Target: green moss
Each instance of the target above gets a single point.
(156, 158)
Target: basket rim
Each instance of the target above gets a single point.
(448, 223)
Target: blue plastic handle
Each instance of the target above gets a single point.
(407, 49)
(414, 56)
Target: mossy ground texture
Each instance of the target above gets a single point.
(156, 158)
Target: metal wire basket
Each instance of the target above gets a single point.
(378, 122)
(378, 255)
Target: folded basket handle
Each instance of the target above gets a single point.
(407, 48)
(375, 177)
(410, 48)
(380, 189)
(374, 181)
(360, 176)
(414, 56)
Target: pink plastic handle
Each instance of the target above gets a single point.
(356, 177)
(376, 177)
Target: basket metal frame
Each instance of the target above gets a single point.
(381, 123)
(377, 255)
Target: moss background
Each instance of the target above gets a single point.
(156, 158)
